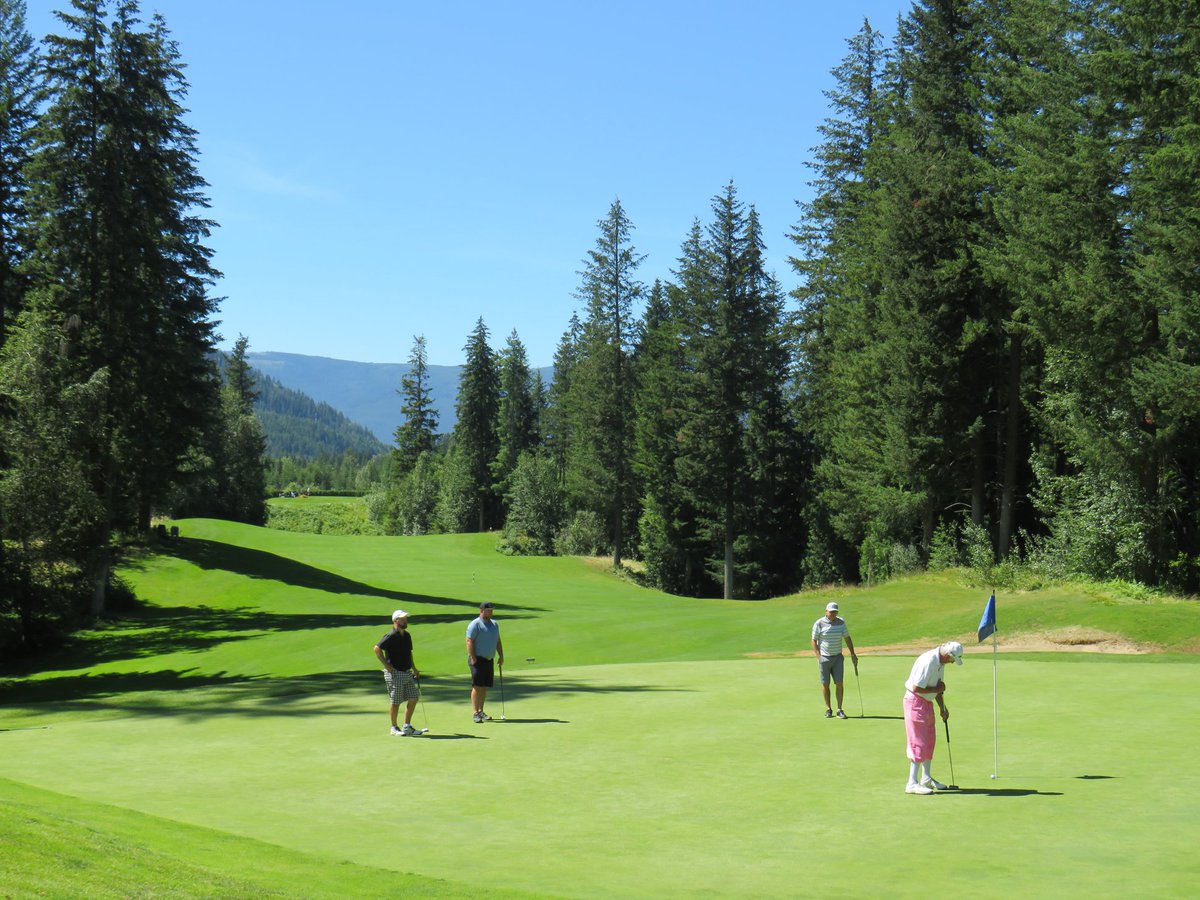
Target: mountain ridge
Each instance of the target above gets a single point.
(366, 393)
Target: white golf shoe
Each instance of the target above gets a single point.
(918, 789)
(936, 785)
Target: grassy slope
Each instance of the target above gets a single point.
(617, 774)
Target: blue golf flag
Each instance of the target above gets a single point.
(988, 623)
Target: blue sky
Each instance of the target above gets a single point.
(382, 169)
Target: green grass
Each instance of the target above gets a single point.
(229, 739)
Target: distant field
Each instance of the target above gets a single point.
(320, 515)
(230, 740)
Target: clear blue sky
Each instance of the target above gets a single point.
(383, 168)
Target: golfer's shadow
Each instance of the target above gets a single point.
(891, 718)
(452, 737)
(510, 720)
(1006, 792)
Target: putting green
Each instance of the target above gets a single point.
(656, 746)
(669, 779)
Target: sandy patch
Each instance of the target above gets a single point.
(1074, 639)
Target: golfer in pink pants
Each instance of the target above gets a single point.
(926, 685)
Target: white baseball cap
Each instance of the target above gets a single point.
(831, 606)
(399, 614)
(955, 649)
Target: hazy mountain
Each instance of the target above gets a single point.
(367, 393)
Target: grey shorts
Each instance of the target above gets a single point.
(401, 686)
(831, 665)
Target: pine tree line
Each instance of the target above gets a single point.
(111, 409)
(994, 357)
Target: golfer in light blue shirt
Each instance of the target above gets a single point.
(484, 651)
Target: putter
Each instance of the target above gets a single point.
(861, 714)
(503, 718)
(952, 786)
(421, 698)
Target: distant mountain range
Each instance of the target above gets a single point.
(366, 393)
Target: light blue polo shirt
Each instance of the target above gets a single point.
(486, 636)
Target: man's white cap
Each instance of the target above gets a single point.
(401, 614)
(831, 606)
(955, 649)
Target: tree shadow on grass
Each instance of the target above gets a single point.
(172, 692)
(85, 687)
(272, 567)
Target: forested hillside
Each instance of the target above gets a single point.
(298, 426)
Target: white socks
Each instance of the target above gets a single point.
(913, 769)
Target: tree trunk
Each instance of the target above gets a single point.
(978, 478)
(729, 550)
(1012, 433)
(100, 580)
(618, 536)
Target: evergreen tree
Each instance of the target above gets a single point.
(114, 190)
(733, 319)
(556, 424)
(600, 401)
(53, 521)
(517, 422)
(836, 347)
(475, 440)
(417, 431)
(241, 473)
(19, 94)
(667, 528)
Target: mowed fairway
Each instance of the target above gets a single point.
(647, 753)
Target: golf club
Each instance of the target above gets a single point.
(861, 714)
(421, 698)
(503, 718)
(952, 786)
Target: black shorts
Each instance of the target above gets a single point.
(482, 673)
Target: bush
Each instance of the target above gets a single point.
(881, 559)
(944, 547)
(535, 507)
(322, 518)
(585, 535)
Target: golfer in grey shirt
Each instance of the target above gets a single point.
(828, 632)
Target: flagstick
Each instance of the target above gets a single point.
(995, 715)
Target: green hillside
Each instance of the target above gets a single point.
(228, 737)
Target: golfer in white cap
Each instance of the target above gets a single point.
(395, 651)
(828, 632)
(926, 684)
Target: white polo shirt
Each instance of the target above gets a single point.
(927, 671)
